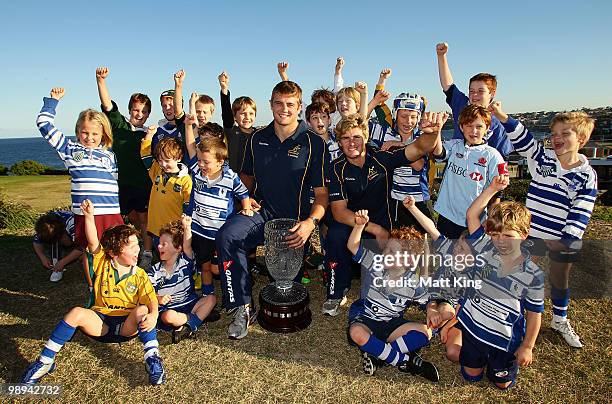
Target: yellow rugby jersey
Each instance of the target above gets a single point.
(117, 299)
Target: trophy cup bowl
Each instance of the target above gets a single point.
(283, 303)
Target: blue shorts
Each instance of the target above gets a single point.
(186, 309)
(114, 324)
(380, 329)
(501, 365)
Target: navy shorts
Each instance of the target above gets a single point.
(131, 198)
(501, 365)
(205, 250)
(114, 324)
(538, 248)
(380, 329)
(186, 309)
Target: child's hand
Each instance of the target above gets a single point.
(385, 74)
(361, 217)
(179, 77)
(496, 109)
(165, 299)
(339, 65)
(441, 48)
(524, 356)
(87, 207)
(433, 318)
(282, 67)
(151, 130)
(255, 206)
(102, 73)
(193, 98)
(500, 182)
(190, 119)
(148, 322)
(46, 262)
(409, 202)
(57, 93)
(361, 87)
(224, 81)
(381, 97)
(186, 222)
(432, 122)
(246, 212)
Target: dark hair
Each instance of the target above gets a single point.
(142, 98)
(50, 228)
(317, 108)
(115, 239)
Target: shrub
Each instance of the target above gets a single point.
(517, 190)
(3, 170)
(28, 167)
(15, 216)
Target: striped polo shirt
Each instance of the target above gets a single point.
(178, 283)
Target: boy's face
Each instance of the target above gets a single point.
(352, 143)
(319, 122)
(507, 241)
(461, 247)
(475, 131)
(204, 112)
(168, 164)
(90, 134)
(209, 165)
(167, 105)
(139, 114)
(245, 117)
(346, 106)
(129, 252)
(406, 120)
(480, 94)
(166, 248)
(285, 108)
(564, 138)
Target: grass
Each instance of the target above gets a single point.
(315, 365)
(41, 192)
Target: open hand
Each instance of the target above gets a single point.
(57, 93)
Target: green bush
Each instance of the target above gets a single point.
(3, 170)
(28, 167)
(517, 190)
(15, 216)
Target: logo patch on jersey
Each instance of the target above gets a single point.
(575, 184)
(78, 156)
(476, 176)
(177, 188)
(227, 264)
(332, 265)
(455, 169)
(459, 155)
(106, 162)
(372, 173)
(482, 162)
(547, 168)
(131, 288)
(516, 288)
(294, 151)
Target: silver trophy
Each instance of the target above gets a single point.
(283, 303)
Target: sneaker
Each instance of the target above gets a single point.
(565, 328)
(182, 333)
(370, 363)
(331, 307)
(415, 365)
(258, 269)
(145, 260)
(243, 317)
(155, 369)
(56, 276)
(36, 371)
(213, 316)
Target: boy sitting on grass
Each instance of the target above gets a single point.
(125, 305)
(376, 321)
(172, 278)
(500, 321)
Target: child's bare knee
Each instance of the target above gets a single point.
(358, 335)
(141, 310)
(452, 352)
(75, 316)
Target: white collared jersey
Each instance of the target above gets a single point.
(382, 301)
(179, 283)
(494, 312)
(450, 280)
(93, 171)
(560, 201)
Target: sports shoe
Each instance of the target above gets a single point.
(243, 317)
(56, 276)
(370, 363)
(155, 369)
(331, 307)
(145, 260)
(258, 269)
(182, 333)
(415, 365)
(569, 335)
(36, 371)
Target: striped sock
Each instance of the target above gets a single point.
(410, 342)
(560, 300)
(149, 339)
(194, 321)
(383, 351)
(60, 335)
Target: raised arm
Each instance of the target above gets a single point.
(226, 108)
(105, 98)
(187, 236)
(446, 78)
(338, 79)
(473, 213)
(362, 89)
(146, 154)
(282, 70)
(190, 142)
(93, 244)
(424, 221)
(179, 78)
(361, 219)
(431, 132)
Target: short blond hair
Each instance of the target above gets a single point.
(102, 120)
(351, 122)
(349, 92)
(581, 122)
(508, 216)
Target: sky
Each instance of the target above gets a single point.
(547, 55)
